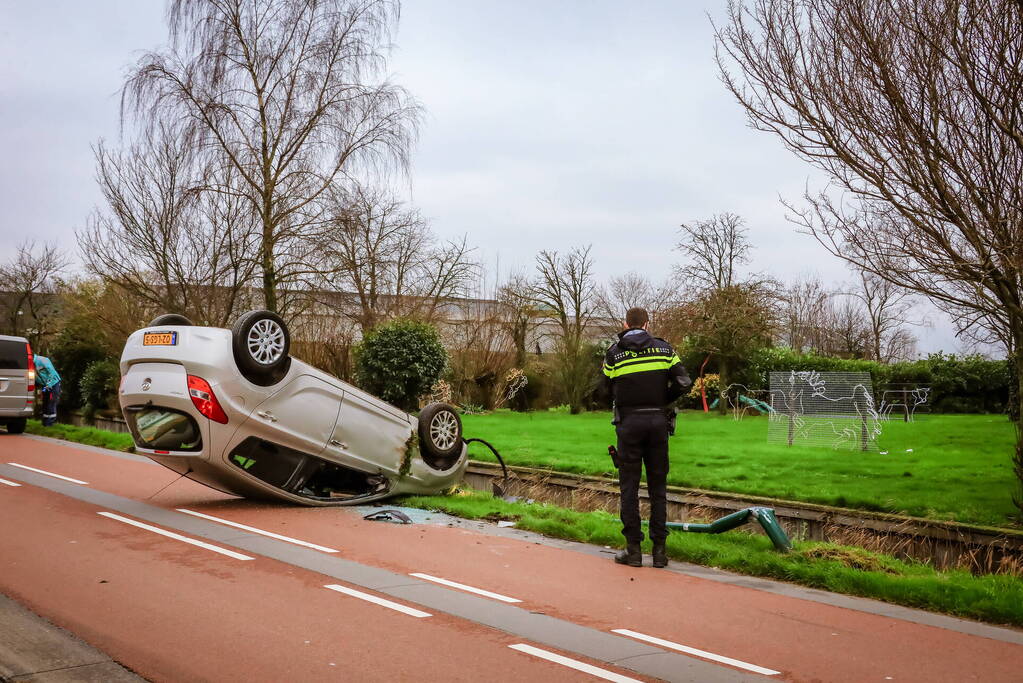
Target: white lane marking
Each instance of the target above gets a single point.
(378, 601)
(254, 530)
(697, 653)
(573, 664)
(462, 586)
(177, 537)
(50, 474)
(9, 483)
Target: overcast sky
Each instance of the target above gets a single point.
(548, 125)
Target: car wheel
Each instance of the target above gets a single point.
(16, 426)
(261, 343)
(169, 319)
(440, 432)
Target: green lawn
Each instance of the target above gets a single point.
(959, 467)
(87, 435)
(997, 598)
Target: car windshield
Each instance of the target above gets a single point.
(163, 429)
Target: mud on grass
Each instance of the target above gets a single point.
(996, 598)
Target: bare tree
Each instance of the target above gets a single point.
(289, 95)
(714, 250)
(28, 285)
(805, 320)
(564, 291)
(849, 329)
(889, 313)
(624, 292)
(164, 239)
(519, 314)
(913, 108)
(383, 261)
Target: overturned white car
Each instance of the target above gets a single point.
(232, 410)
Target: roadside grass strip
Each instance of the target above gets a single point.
(50, 474)
(463, 587)
(573, 663)
(703, 654)
(9, 483)
(412, 612)
(176, 537)
(995, 598)
(261, 532)
(91, 436)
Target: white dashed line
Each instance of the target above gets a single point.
(696, 653)
(463, 587)
(50, 474)
(177, 537)
(9, 483)
(378, 601)
(254, 530)
(573, 664)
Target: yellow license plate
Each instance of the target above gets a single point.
(160, 339)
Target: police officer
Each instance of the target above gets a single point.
(646, 376)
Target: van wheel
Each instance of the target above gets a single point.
(16, 426)
(261, 343)
(440, 432)
(169, 319)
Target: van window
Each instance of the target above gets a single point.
(13, 355)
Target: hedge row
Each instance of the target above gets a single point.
(959, 384)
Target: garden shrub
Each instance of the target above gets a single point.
(400, 361)
(76, 348)
(98, 386)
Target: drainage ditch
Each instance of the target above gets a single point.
(945, 545)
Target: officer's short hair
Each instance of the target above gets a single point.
(637, 317)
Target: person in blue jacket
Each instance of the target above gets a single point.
(48, 381)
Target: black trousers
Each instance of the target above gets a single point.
(643, 439)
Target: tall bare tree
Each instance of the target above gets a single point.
(565, 293)
(28, 286)
(913, 108)
(624, 292)
(289, 95)
(805, 320)
(714, 249)
(889, 313)
(164, 239)
(383, 260)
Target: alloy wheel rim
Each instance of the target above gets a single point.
(266, 341)
(444, 429)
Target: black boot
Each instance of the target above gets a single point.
(660, 555)
(631, 556)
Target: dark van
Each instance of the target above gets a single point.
(17, 383)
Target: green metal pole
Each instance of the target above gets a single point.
(726, 523)
(769, 521)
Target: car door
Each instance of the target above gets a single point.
(13, 376)
(300, 416)
(368, 438)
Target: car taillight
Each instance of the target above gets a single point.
(205, 400)
(31, 368)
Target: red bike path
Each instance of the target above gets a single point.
(171, 611)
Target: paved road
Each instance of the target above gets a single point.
(110, 553)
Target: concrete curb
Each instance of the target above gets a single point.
(33, 649)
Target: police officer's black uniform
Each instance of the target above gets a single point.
(645, 376)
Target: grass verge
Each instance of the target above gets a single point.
(948, 467)
(87, 435)
(841, 569)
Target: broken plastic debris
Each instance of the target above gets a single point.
(505, 522)
(909, 450)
